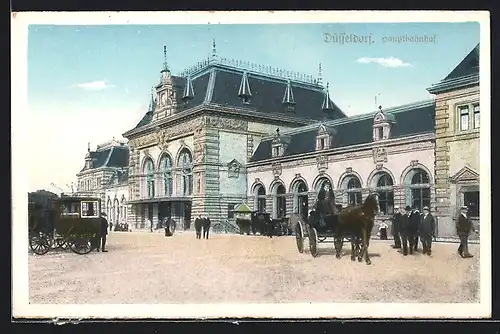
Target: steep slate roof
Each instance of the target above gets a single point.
(119, 177)
(409, 120)
(115, 156)
(267, 93)
(466, 74)
(469, 65)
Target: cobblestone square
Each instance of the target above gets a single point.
(149, 268)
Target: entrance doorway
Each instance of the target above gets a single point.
(164, 212)
(187, 216)
(303, 206)
(150, 216)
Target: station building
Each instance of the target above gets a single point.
(225, 132)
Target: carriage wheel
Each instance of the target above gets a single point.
(81, 244)
(313, 241)
(40, 243)
(217, 228)
(299, 238)
(61, 243)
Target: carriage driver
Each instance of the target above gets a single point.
(328, 200)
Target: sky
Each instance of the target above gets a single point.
(93, 83)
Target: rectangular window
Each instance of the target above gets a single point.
(90, 209)
(464, 118)
(276, 151)
(380, 133)
(471, 199)
(476, 116)
(230, 213)
(70, 209)
(322, 143)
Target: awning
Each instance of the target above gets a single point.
(161, 200)
(242, 208)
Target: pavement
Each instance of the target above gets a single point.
(151, 268)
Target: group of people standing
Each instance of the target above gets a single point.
(408, 225)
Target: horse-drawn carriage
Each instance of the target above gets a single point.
(66, 222)
(329, 222)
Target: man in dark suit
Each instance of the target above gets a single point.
(464, 227)
(396, 227)
(104, 233)
(426, 230)
(415, 222)
(405, 229)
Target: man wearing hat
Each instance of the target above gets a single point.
(464, 227)
(396, 227)
(104, 232)
(405, 229)
(426, 230)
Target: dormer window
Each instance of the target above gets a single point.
(279, 144)
(277, 150)
(324, 138)
(382, 124)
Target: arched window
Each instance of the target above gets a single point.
(300, 198)
(166, 165)
(280, 201)
(186, 164)
(384, 188)
(150, 178)
(353, 190)
(418, 191)
(260, 198)
(322, 182)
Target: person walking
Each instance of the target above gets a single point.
(405, 230)
(426, 230)
(415, 222)
(104, 233)
(396, 228)
(464, 227)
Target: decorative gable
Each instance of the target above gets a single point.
(280, 143)
(325, 137)
(464, 175)
(382, 124)
(233, 169)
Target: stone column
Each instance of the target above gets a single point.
(290, 204)
(441, 169)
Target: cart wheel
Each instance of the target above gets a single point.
(80, 244)
(313, 241)
(217, 228)
(299, 238)
(40, 243)
(61, 243)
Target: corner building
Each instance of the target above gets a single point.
(457, 143)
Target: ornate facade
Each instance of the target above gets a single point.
(457, 142)
(390, 152)
(105, 175)
(188, 155)
(225, 132)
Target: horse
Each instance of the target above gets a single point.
(206, 227)
(357, 221)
